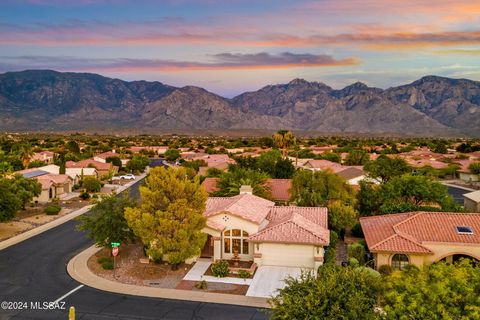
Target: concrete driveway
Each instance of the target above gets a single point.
(269, 279)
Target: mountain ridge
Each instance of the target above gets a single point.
(52, 100)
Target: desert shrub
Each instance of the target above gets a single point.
(220, 268)
(330, 255)
(353, 262)
(52, 209)
(106, 262)
(91, 184)
(385, 269)
(84, 196)
(357, 251)
(201, 285)
(244, 274)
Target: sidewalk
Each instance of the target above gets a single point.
(198, 270)
(77, 268)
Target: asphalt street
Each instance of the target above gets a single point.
(35, 271)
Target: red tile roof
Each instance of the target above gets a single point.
(210, 184)
(279, 188)
(299, 225)
(409, 232)
(85, 164)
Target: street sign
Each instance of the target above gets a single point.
(115, 244)
(115, 251)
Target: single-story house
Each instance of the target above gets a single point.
(53, 184)
(45, 156)
(422, 238)
(279, 188)
(102, 157)
(253, 228)
(75, 173)
(157, 149)
(471, 201)
(103, 169)
(319, 165)
(353, 175)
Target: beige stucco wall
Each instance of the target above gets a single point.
(468, 177)
(470, 205)
(289, 255)
(44, 196)
(440, 251)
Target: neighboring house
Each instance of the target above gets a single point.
(320, 165)
(218, 161)
(422, 238)
(157, 149)
(102, 157)
(353, 175)
(255, 229)
(464, 172)
(103, 169)
(471, 201)
(53, 185)
(45, 156)
(279, 188)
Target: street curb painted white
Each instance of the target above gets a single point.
(78, 269)
(44, 227)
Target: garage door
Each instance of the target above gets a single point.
(287, 255)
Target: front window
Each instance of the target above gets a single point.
(399, 261)
(235, 241)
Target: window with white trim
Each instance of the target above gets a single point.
(235, 240)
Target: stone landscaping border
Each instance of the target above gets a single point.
(78, 269)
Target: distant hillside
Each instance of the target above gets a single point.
(50, 100)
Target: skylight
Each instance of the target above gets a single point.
(464, 230)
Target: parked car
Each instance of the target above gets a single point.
(127, 176)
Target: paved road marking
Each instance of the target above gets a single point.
(68, 293)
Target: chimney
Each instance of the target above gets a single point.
(246, 190)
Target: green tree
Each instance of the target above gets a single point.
(106, 222)
(384, 168)
(266, 161)
(284, 139)
(341, 216)
(439, 291)
(170, 218)
(319, 188)
(335, 293)
(91, 184)
(331, 156)
(230, 182)
(116, 161)
(357, 158)
(474, 167)
(15, 193)
(73, 147)
(283, 169)
(172, 154)
(138, 163)
(369, 199)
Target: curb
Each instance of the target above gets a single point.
(44, 227)
(77, 268)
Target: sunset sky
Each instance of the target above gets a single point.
(231, 46)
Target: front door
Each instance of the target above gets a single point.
(207, 251)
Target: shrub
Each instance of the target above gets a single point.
(52, 209)
(357, 251)
(385, 269)
(357, 231)
(330, 255)
(91, 184)
(353, 262)
(220, 269)
(333, 239)
(106, 262)
(84, 196)
(244, 274)
(201, 285)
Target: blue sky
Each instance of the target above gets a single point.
(233, 46)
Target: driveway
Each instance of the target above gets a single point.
(269, 279)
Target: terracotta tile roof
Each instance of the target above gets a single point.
(324, 165)
(410, 231)
(210, 184)
(215, 226)
(279, 188)
(50, 179)
(299, 225)
(245, 206)
(85, 164)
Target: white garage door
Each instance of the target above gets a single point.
(287, 255)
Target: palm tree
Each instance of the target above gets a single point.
(284, 139)
(26, 154)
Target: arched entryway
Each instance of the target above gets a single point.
(452, 258)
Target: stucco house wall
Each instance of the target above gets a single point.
(471, 205)
(468, 177)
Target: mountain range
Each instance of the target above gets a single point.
(55, 101)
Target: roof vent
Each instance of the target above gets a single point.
(464, 230)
